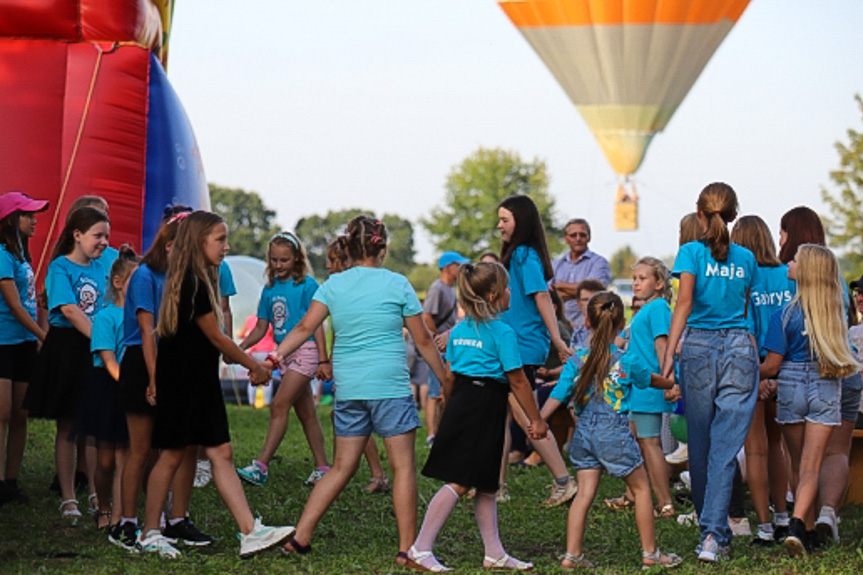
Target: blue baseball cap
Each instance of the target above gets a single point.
(448, 258)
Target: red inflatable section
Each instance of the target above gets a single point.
(77, 20)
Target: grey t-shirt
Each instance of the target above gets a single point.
(440, 303)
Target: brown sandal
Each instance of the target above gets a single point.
(664, 512)
(618, 503)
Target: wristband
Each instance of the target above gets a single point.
(324, 361)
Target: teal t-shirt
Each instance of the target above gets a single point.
(771, 292)
(483, 349)
(525, 280)
(284, 304)
(21, 274)
(653, 321)
(107, 259)
(226, 281)
(107, 334)
(68, 283)
(719, 297)
(368, 307)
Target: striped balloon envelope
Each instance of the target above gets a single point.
(626, 65)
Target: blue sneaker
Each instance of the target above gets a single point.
(710, 551)
(253, 473)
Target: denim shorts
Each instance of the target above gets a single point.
(803, 395)
(852, 387)
(602, 439)
(385, 417)
(434, 385)
(647, 424)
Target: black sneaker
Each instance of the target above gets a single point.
(796, 541)
(814, 542)
(780, 532)
(124, 535)
(186, 532)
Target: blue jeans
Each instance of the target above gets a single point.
(719, 371)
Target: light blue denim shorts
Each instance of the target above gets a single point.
(852, 387)
(803, 395)
(647, 424)
(602, 439)
(385, 417)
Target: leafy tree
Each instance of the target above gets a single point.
(250, 222)
(316, 232)
(467, 222)
(621, 262)
(845, 222)
(422, 276)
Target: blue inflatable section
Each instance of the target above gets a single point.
(175, 172)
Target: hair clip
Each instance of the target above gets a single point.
(287, 236)
(607, 305)
(179, 217)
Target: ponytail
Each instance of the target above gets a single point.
(605, 316)
(718, 204)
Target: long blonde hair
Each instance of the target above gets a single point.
(187, 257)
(821, 297)
(660, 274)
(301, 261)
(605, 316)
(476, 286)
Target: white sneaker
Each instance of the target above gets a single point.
(262, 537)
(686, 479)
(679, 455)
(155, 542)
(740, 527)
(203, 473)
(827, 525)
(688, 518)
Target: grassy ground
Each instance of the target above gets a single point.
(358, 534)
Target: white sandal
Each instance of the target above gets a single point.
(415, 557)
(579, 561)
(503, 563)
(67, 512)
(660, 559)
(92, 504)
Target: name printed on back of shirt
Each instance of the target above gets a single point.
(468, 342)
(730, 271)
(776, 298)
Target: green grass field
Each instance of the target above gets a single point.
(358, 534)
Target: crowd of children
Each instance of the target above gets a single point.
(123, 353)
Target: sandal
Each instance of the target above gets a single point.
(99, 514)
(415, 558)
(378, 485)
(92, 504)
(618, 503)
(574, 561)
(69, 510)
(296, 547)
(665, 512)
(506, 563)
(660, 559)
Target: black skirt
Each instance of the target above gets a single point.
(100, 416)
(61, 374)
(468, 446)
(18, 360)
(133, 383)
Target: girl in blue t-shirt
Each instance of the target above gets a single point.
(75, 286)
(807, 346)
(370, 306)
(525, 255)
(766, 468)
(597, 383)
(19, 332)
(648, 337)
(484, 365)
(101, 417)
(718, 360)
(284, 301)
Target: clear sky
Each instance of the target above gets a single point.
(342, 103)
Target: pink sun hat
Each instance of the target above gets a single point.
(19, 201)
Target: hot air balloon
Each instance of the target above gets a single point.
(626, 65)
(86, 108)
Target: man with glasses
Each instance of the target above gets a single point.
(575, 266)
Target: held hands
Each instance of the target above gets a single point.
(673, 394)
(440, 340)
(537, 429)
(324, 371)
(150, 394)
(261, 373)
(563, 350)
(766, 388)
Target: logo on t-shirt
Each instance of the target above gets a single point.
(774, 298)
(31, 285)
(279, 309)
(88, 296)
(729, 271)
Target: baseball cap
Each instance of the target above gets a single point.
(448, 258)
(856, 284)
(19, 201)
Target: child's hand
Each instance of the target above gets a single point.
(260, 374)
(537, 429)
(440, 340)
(324, 371)
(150, 394)
(766, 389)
(673, 394)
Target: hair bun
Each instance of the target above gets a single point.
(126, 252)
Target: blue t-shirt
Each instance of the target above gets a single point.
(20, 272)
(719, 297)
(71, 284)
(107, 259)
(622, 375)
(226, 280)
(770, 293)
(483, 349)
(653, 321)
(143, 294)
(791, 342)
(285, 303)
(107, 334)
(526, 278)
(368, 307)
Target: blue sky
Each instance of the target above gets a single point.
(338, 104)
